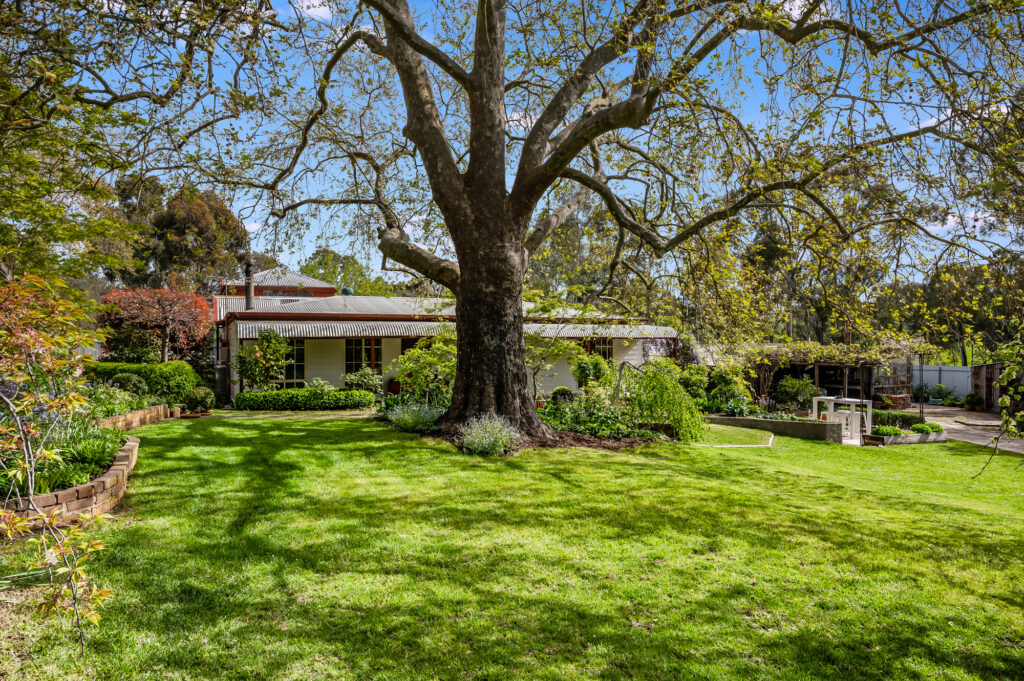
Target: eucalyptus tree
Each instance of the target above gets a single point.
(468, 131)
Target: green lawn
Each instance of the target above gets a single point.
(339, 549)
(731, 435)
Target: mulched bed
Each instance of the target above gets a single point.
(562, 439)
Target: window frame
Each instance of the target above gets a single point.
(368, 348)
(295, 372)
(605, 347)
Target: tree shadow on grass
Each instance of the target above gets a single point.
(301, 543)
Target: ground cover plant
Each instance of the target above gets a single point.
(411, 415)
(339, 548)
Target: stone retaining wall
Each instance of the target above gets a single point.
(96, 496)
(808, 430)
(135, 419)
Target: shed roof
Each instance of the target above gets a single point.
(281, 276)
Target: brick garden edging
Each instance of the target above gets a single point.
(135, 419)
(96, 496)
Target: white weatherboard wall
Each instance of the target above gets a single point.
(390, 349)
(558, 375)
(957, 378)
(325, 358)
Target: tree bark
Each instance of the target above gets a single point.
(165, 344)
(491, 375)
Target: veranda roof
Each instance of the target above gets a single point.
(249, 329)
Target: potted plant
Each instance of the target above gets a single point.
(974, 402)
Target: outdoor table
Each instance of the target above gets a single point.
(851, 423)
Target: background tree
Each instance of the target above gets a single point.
(345, 270)
(182, 319)
(199, 239)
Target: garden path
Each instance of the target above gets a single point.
(976, 427)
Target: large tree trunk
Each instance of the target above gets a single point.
(492, 377)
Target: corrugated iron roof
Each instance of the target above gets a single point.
(381, 305)
(370, 305)
(226, 304)
(248, 330)
(280, 276)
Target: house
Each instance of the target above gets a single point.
(333, 335)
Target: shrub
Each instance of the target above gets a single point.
(130, 382)
(886, 430)
(427, 371)
(592, 414)
(104, 400)
(656, 395)
(132, 345)
(169, 380)
(304, 399)
(711, 406)
(260, 364)
(781, 416)
(414, 416)
(974, 400)
(926, 427)
(736, 407)
(796, 393)
(562, 394)
(900, 419)
(319, 385)
(727, 392)
(199, 400)
(694, 380)
(365, 379)
(941, 392)
(488, 435)
(587, 369)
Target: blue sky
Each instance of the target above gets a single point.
(749, 109)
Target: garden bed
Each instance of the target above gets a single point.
(99, 495)
(807, 430)
(905, 439)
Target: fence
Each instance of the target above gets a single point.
(956, 378)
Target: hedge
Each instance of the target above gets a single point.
(170, 380)
(900, 419)
(304, 399)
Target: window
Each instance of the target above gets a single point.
(600, 346)
(295, 372)
(361, 352)
(409, 343)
